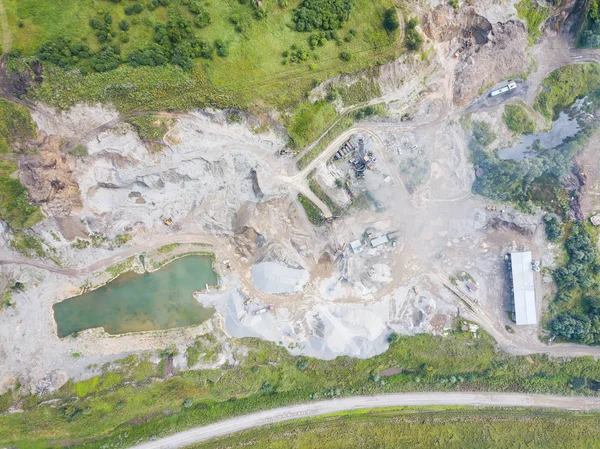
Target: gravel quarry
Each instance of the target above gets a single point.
(225, 188)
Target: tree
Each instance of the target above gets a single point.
(578, 382)
(321, 14)
(483, 134)
(553, 227)
(390, 20)
(124, 25)
(393, 338)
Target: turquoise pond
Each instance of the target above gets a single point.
(141, 302)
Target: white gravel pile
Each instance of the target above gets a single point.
(272, 277)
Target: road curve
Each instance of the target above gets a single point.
(311, 409)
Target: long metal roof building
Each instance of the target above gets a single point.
(523, 288)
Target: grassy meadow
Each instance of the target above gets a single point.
(253, 73)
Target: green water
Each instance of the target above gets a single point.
(134, 302)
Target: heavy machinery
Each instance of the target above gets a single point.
(264, 309)
(167, 221)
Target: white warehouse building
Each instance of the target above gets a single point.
(523, 288)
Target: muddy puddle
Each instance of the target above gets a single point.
(134, 303)
(562, 128)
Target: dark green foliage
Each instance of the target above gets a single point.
(483, 134)
(393, 338)
(345, 56)
(136, 8)
(222, 48)
(124, 25)
(321, 14)
(512, 180)
(202, 19)
(412, 38)
(302, 363)
(152, 56)
(578, 278)
(590, 36)
(108, 58)
(367, 111)
(553, 227)
(390, 20)
(64, 53)
(295, 55)
(578, 382)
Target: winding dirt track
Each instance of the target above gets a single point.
(268, 417)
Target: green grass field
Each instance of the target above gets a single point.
(518, 119)
(534, 15)
(124, 404)
(448, 428)
(250, 75)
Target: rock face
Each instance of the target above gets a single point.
(203, 180)
(496, 51)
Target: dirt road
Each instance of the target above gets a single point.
(312, 409)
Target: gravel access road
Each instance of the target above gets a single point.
(311, 409)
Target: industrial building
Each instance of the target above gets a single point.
(379, 241)
(521, 272)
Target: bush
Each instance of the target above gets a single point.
(202, 19)
(345, 56)
(124, 25)
(321, 14)
(390, 20)
(412, 38)
(222, 49)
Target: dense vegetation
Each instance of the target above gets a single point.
(322, 14)
(455, 427)
(179, 54)
(565, 85)
(518, 119)
(534, 15)
(16, 126)
(121, 405)
(590, 31)
(509, 180)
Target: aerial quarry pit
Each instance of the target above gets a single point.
(325, 253)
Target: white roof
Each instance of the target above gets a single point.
(523, 288)
(379, 241)
(356, 246)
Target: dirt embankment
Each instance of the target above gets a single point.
(485, 52)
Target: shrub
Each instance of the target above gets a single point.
(412, 38)
(390, 20)
(345, 56)
(124, 25)
(222, 49)
(202, 19)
